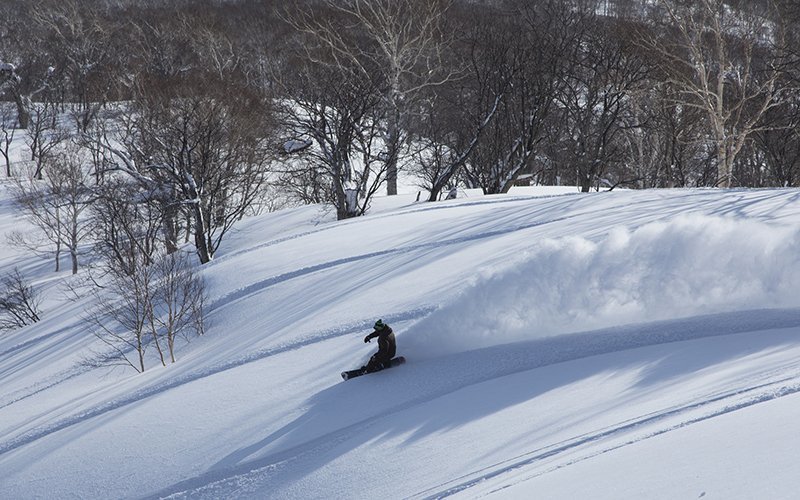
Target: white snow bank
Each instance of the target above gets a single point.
(690, 265)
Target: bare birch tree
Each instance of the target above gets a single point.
(151, 307)
(472, 104)
(541, 32)
(56, 204)
(721, 61)
(336, 110)
(127, 220)
(204, 155)
(44, 134)
(404, 40)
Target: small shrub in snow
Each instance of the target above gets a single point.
(19, 302)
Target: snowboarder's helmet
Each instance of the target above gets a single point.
(380, 325)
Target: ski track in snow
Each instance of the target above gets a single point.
(39, 387)
(482, 365)
(102, 409)
(259, 286)
(31, 342)
(753, 395)
(414, 209)
(44, 384)
(422, 207)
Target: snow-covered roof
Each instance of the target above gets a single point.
(296, 145)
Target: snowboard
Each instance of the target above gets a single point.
(399, 360)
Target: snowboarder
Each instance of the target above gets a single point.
(386, 347)
(384, 358)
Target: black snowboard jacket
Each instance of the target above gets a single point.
(387, 347)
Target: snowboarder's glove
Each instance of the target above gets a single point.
(366, 339)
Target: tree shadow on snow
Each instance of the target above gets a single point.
(413, 401)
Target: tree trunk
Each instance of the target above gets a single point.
(171, 342)
(140, 350)
(393, 144)
(724, 169)
(170, 231)
(154, 333)
(58, 256)
(23, 110)
(203, 252)
(346, 200)
(74, 256)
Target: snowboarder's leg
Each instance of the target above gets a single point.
(375, 363)
(379, 362)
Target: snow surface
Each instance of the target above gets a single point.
(631, 344)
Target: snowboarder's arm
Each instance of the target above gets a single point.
(371, 336)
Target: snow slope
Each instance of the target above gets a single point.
(605, 345)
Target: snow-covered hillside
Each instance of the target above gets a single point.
(610, 345)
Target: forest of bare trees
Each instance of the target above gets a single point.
(210, 110)
(581, 92)
(152, 126)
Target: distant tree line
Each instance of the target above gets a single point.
(476, 94)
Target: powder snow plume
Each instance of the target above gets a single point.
(687, 266)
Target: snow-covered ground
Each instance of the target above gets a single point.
(632, 344)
